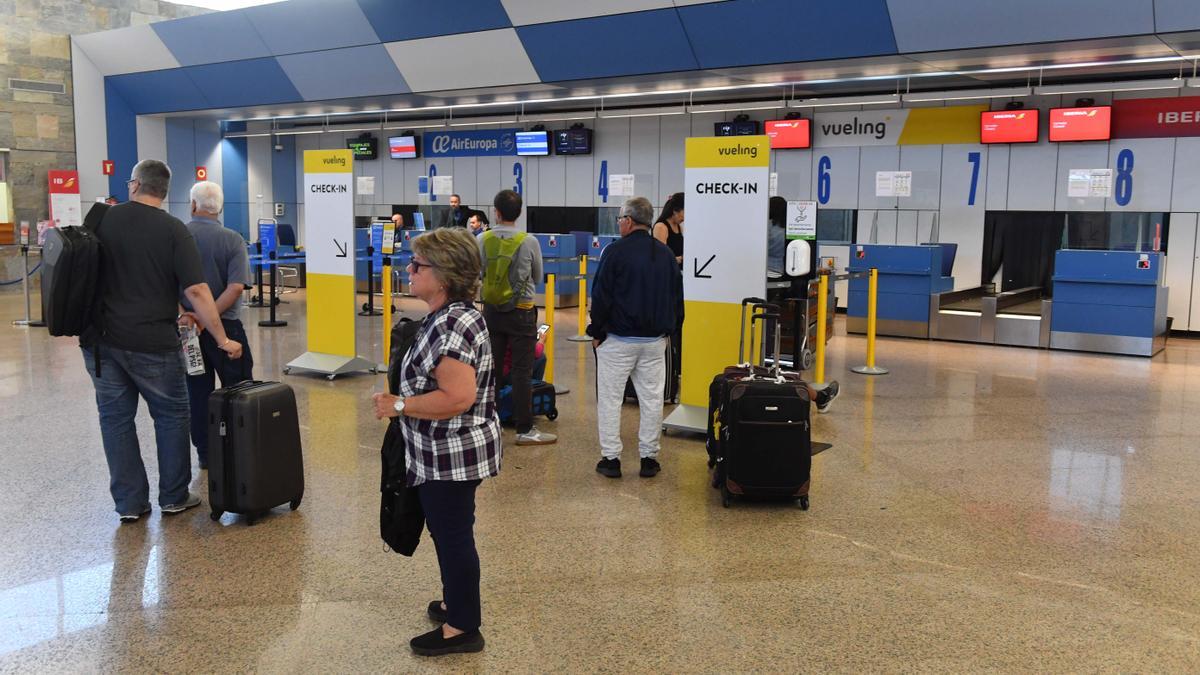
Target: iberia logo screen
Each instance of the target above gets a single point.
(1081, 124)
(1009, 126)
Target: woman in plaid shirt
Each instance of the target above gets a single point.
(447, 410)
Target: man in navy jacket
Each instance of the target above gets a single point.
(637, 302)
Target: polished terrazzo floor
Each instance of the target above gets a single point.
(983, 509)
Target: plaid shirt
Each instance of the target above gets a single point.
(465, 447)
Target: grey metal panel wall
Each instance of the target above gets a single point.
(996, 197)
(795, 169)
(552, 181)
(1181, 261)
(843, 177)
(959, 221)
(1154, 160)
(1031, 171)
(1185, 191)
(466, 180)
(1078, 156)
(611, 145)
(580, 180)
(643, 157)
(871, 160)
(673, 131)
(925, 161)
(487, 181)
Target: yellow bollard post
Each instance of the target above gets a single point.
(387, 310)
(550, 290)
(872, 297)
(822, 317)
(581, 336)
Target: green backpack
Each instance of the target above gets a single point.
(499, 252)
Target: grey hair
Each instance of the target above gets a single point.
(639, 210)
(154, 176)
(209, 197)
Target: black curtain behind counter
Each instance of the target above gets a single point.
(1022, 243)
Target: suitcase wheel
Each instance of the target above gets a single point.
(806, 359)
(250, 519)
(802, 503)
(295, 504)
(216, 515)
(726, 497)
(552, 415)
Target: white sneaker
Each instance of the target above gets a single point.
(192, 500)
(535, 437)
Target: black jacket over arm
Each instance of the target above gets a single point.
(638, 289)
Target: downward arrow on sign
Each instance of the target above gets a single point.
(340, 248)
(697, 268)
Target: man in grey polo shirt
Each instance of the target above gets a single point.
(227, 272)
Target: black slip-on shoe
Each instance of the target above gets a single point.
(650, 467)
(436, 613)
(609, 467)
(433, 644)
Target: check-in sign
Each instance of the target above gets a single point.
(329, 211)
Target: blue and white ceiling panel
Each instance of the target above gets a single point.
(1176, 15)
(934, 25)
(344, 73)
(490, 58)
(609, 46)
(136, 49)
(243, 83)
(212, 38)
(783, 31)
(311, 25)
(526, 12)
(159, 91)
(396, 20)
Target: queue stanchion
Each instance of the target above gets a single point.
(28, 321)
(550, 333)
(368, 308)
(582, 336)
(822, 316)
(385, 278)
(272, 322)
(872, 298)
(257, 301)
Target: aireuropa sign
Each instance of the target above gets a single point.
(489, 143)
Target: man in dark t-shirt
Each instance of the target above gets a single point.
(148, 258)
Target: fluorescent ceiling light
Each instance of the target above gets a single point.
(558, 117)
(886, 99)
(481, 120)
(643, 112)
(246, 134)
(349, 129)
(298, 132)
(416, 125)
(734, 107)
(967, 94)
(1104, 87)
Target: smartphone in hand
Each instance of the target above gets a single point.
(542, 330)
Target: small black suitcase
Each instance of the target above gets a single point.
(255, 462)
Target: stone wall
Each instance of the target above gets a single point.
(35, 44)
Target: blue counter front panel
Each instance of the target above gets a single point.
(1117, 293)
(908, 275)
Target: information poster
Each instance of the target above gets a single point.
(65, 209)
(893, 183)
(443, 185)
(366, 185)
(621, 185)
(802, 220)
(1084, 183)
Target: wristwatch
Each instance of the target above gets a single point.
(399, 406)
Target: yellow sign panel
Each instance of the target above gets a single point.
(727, 151)
(328, 161)
(331, 314)
(710, 339)
(942, 126)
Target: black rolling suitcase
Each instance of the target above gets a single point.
(254, 458)
(761, 429)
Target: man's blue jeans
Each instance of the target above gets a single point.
(159, 377)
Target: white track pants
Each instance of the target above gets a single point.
(646, 365)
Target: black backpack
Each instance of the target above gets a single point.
(71, 275)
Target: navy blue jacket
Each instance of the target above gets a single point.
(638, 289)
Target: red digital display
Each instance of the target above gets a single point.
(789, 133)
(1081, 124)
(1009, 126)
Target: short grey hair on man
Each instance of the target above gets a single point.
(639, 210)
(154, 176)
(209, 197)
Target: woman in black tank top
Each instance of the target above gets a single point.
(669, 228)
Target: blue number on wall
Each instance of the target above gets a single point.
(1123, 191)
(603, 188)
(974, 159)
(823, 167)
(518, 172)
(432, 173)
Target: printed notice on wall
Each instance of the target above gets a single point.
(802, 220)
(443, 185)
(366, 185)
(773, 186)
(1084, 183)
(621, 184)
(893, 183)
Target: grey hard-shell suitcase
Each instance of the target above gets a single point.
(255, 462)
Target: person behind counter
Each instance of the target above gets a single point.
(669, 227)
(447, 416)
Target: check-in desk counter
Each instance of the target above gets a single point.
(1109, 301)
(908, 276)
(1018, 318)
(596, 246)
(560, 258)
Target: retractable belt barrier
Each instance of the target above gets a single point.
(581, 336)
(822, 316)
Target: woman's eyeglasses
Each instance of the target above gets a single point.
(416, 265)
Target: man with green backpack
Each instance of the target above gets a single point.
(512, 266)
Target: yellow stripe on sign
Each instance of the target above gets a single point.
(942, 126)
(328, 161)
(710, 343)
(724, 151)
(331, 314)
